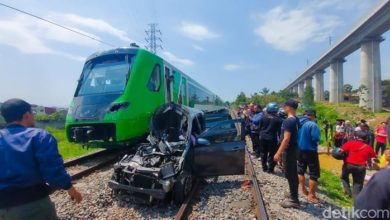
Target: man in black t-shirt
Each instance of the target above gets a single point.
(288, 148)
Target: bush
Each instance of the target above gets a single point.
(42, 117)
(308, 97)
(66, 149)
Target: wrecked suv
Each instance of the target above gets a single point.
(179, 149)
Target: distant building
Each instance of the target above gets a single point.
(352, 97)
(41, 110)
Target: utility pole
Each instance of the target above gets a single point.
(152, 36)
(330, 40)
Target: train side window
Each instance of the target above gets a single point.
(154, 82)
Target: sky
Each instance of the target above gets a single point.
(228, 46)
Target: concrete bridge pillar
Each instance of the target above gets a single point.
(295, 89)
(309, 82)
(336, 81)
(319, 90)
(370, 74)
(301, 89)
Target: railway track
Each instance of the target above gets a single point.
(87, 164)
(260, 209)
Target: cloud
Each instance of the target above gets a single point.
(196, 31)
(174, 59)
(93, 24)
(32, 36)
(19, 35)
(197, 47)
(231, 67)
(341, 5)
(290, 30)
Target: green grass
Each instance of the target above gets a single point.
(330, 185)
(66, 149)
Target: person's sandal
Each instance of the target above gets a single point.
(305, 192)
(313, 200)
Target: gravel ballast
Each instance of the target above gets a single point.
(219, 198)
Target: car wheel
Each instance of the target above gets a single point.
(181, 189)
(114, 192)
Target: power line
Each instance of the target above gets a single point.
(152, 36)
(58, 25)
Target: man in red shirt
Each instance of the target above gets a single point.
(358, 153)
(381, 138)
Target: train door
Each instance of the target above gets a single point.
(183, 97)
(168, 85)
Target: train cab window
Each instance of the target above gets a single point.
(154, 82)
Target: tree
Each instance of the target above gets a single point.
(347, 88)
(326, 95)
(264, 91)
(308, 97)
(286, 94)
(42, 117)
(241, 99)
(363, 94)
(387, 84)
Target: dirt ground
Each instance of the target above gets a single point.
(327, 162)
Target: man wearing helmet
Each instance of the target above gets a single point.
(269, 130)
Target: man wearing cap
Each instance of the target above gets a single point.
(288, 148)
(308, 138)
(30, 166)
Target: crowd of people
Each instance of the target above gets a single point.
(278, 135)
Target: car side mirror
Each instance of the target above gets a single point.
(203, 142)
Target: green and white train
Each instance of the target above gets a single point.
(119, 90)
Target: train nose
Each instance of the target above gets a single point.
(82, 134)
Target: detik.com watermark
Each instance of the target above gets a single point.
(352, 213)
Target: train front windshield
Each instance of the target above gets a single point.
(106, 74)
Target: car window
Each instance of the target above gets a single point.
(155, 79)
(227, 125)
(225, 132)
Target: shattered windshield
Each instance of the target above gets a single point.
(107, 74)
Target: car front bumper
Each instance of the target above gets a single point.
(155, 193)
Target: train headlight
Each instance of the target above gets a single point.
(118, 106)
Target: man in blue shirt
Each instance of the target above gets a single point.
(309, 136)
(30, 166)
(255, 131)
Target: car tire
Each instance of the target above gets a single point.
(181, 189)
(114, 192)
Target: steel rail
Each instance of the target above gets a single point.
(107, 157)
(260, 209)
(185, 207)
(78, 160)
(92, 169)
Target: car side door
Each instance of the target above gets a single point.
(221, 150)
